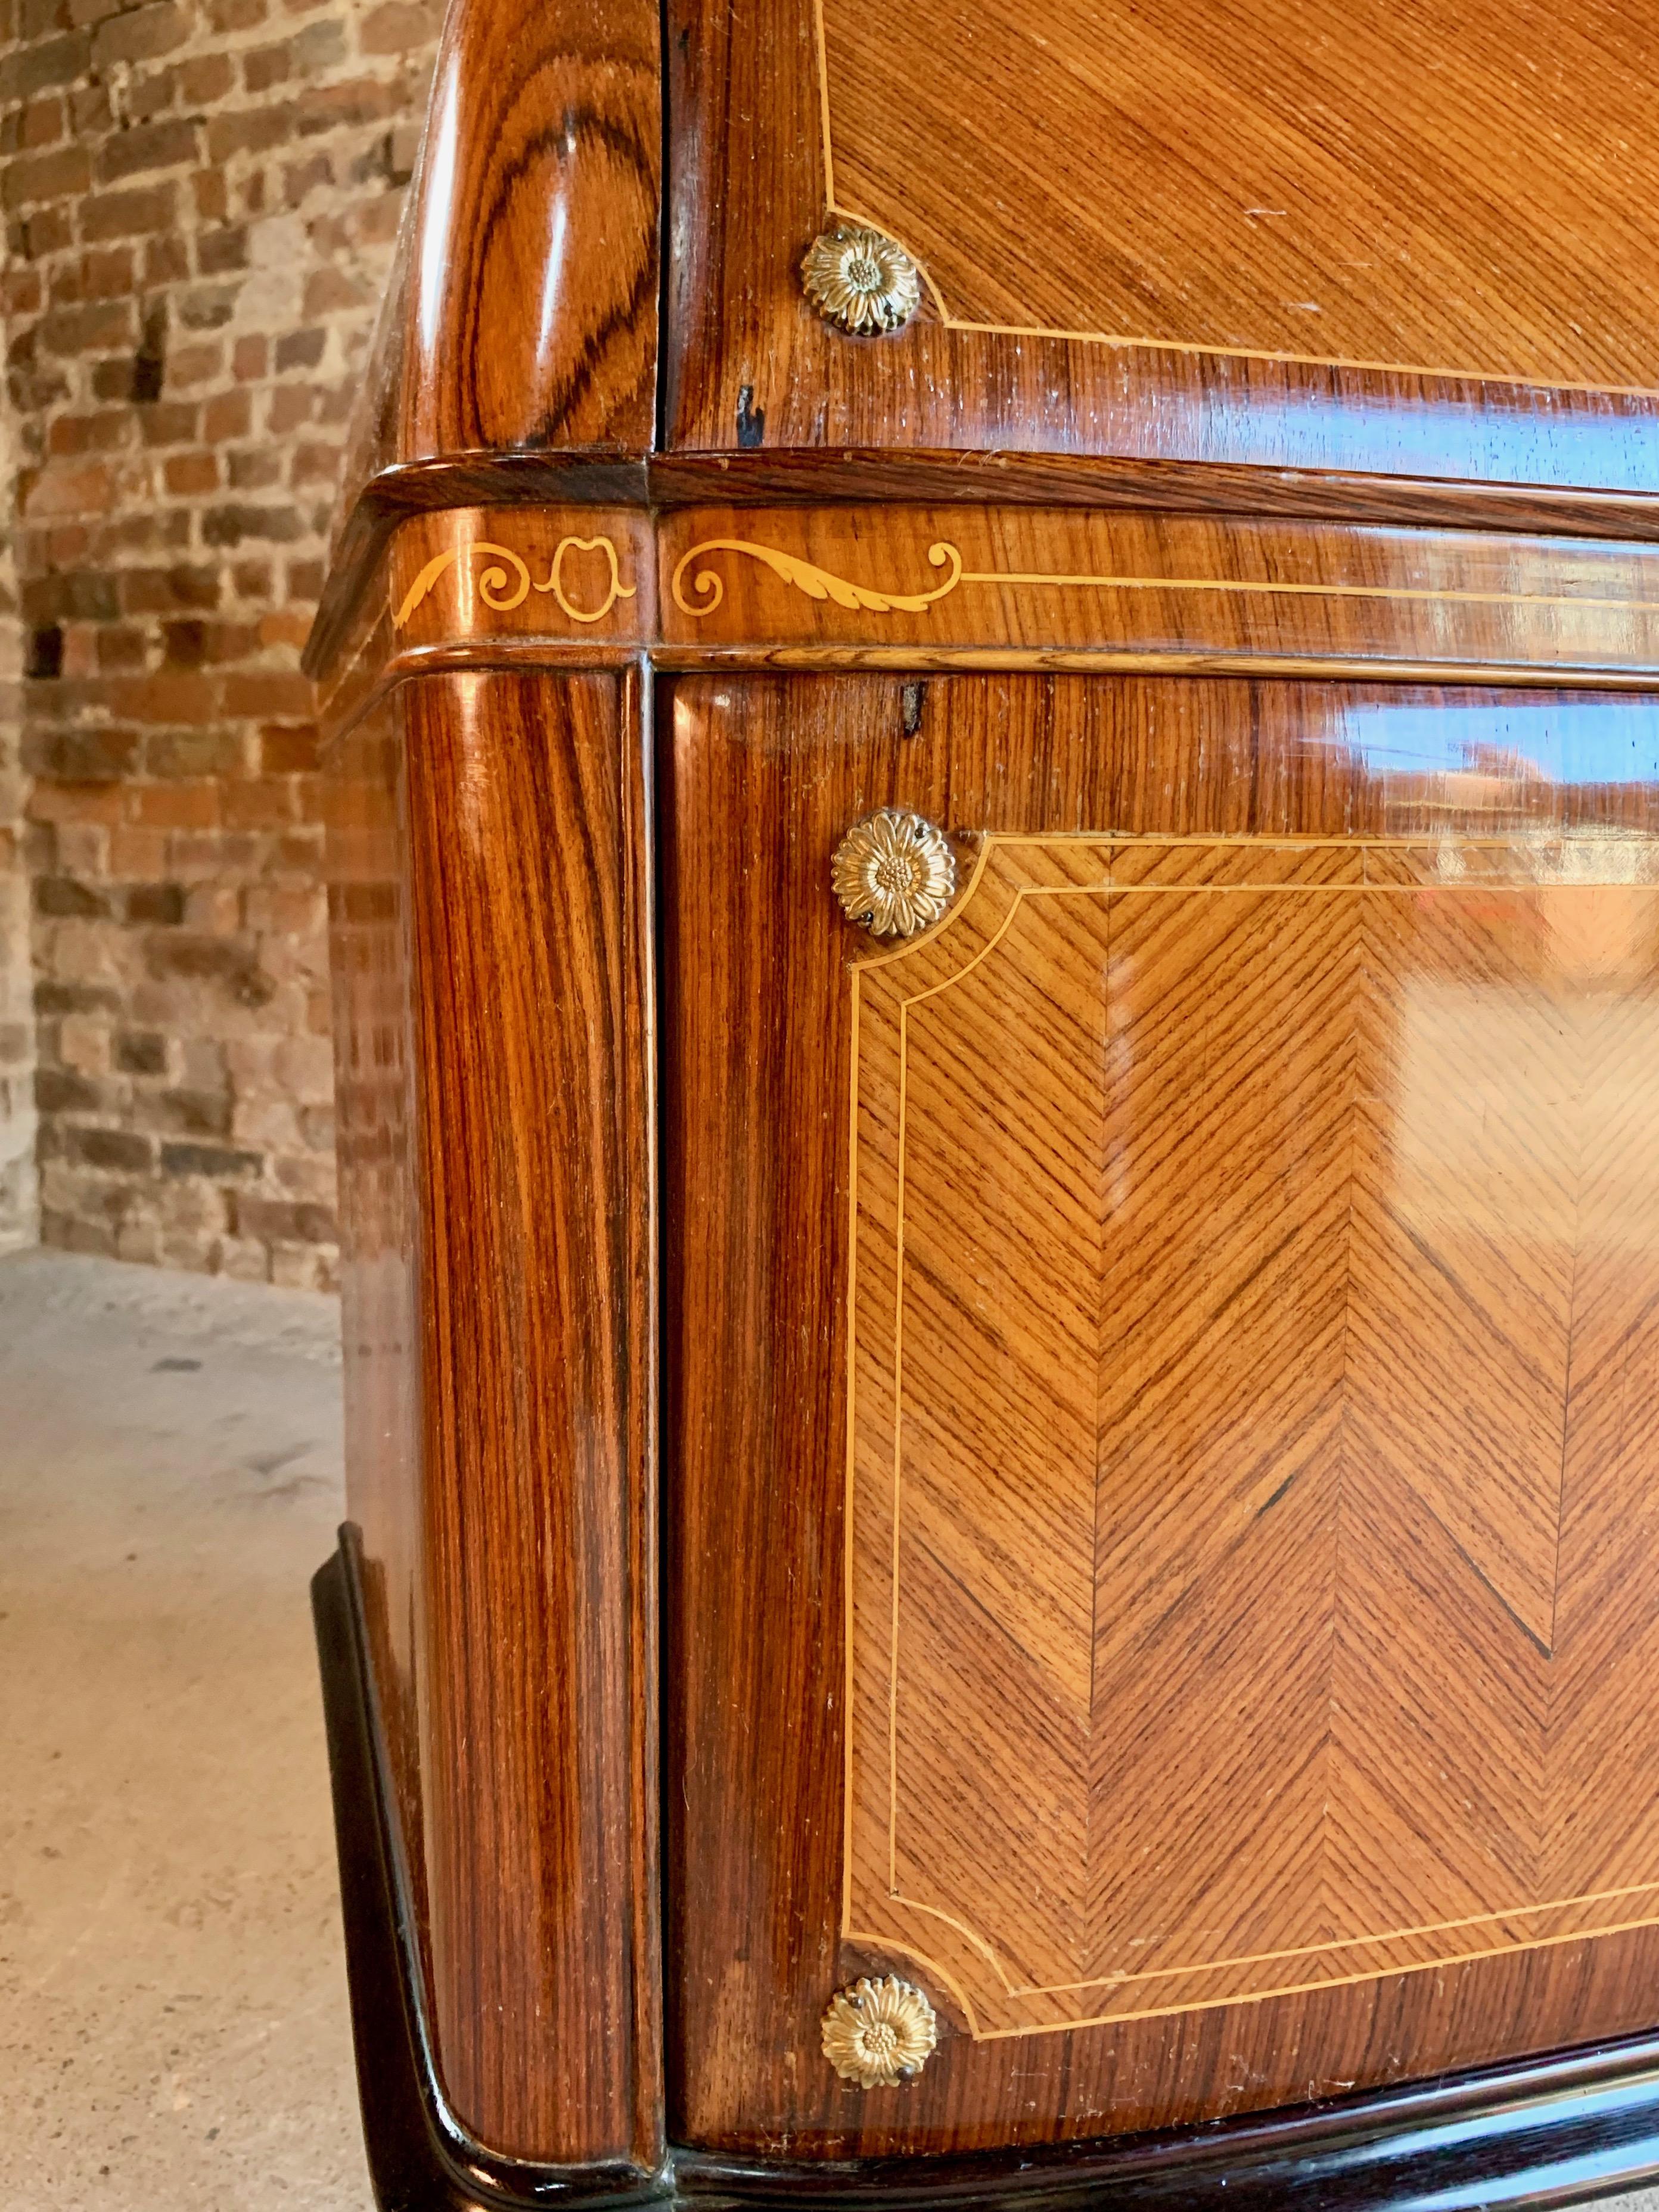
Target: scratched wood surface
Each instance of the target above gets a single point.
(1240, 1289)
(1239, 1296)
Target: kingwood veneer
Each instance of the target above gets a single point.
(1093, 1460)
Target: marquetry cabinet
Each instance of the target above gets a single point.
(993, 688)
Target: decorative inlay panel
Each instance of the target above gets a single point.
(1254, 1559)
(586, 573)
(1048, 580)
(1465, 191)
(1034, 584)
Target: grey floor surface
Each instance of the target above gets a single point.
(172, 2008)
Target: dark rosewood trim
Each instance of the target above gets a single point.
(812, 476)
(1552, 2132)
(420, 2158)
(1544, 2133)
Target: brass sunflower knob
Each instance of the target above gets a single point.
(879, 2033)
(860, 281)
(894, 873)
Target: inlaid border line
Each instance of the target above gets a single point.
(1113, 841)
(1185, 346)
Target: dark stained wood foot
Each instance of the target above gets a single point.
(419, 2160)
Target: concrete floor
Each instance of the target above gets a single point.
(172, 2008)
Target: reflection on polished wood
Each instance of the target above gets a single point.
(1267, 1069)
(376, 1144)
(488, 918)
(521, 323)
(1252, 1555)
(1043, 581)
(523, 310)
(1048, 580)
(1454, 194)
(1274, 181)
(1205, 1308)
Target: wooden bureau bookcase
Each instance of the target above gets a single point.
(993, 688)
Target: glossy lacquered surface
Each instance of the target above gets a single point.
(492, 927)
(421, 2157)
(918, 582)
(1325, 241)
(1539, 2134)
(1156, 1402)
(520, 322)
(1246, 1242)
(523, 309)
(1265, 182)
(1256, 1246)
(933, 587)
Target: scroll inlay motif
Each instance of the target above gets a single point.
(1253, 1564)
(505, 582)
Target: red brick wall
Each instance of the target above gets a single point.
(19, 1212)
(200, 198)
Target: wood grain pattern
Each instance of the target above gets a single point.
(747, 125)
(1573, 2121)
(516, 356)
(522, 309)
(917, 583)
(1221, 1211)
(492, 937)
(484, 484)
(777, 476)
(760, 779)
(1277, 1229)
(1311, 190)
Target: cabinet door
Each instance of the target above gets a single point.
(1162, 1388)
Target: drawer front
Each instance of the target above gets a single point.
(1163, 1378)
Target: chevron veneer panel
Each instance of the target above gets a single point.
(1254, 1570)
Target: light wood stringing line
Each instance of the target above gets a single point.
(777, 560)
(834, 207)
(989, 842)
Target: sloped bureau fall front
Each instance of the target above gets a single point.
(995, 873)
